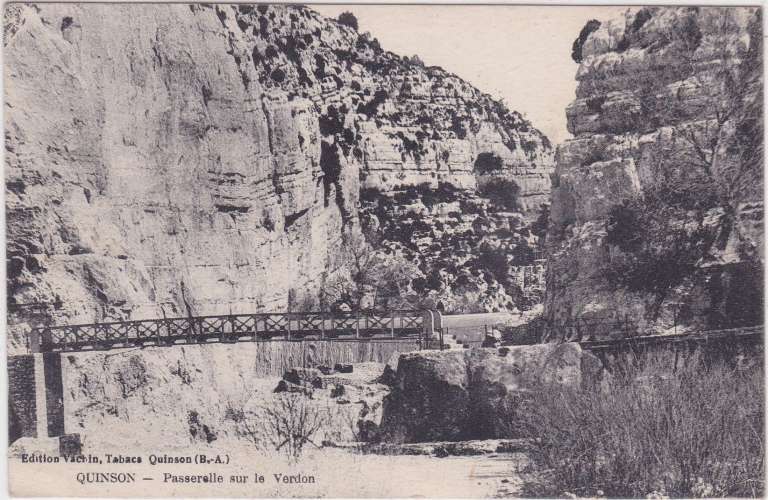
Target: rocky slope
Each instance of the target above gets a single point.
(198, 395)
(176, 159)
(657, 200)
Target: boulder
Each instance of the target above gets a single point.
(476, 393)
(430, 398)
(390, 370)
(303, 376)
(283, 386)
(343, 368)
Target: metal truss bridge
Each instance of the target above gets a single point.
(359, 326)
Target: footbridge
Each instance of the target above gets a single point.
(360, 326)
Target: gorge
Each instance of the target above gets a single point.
(176, 161)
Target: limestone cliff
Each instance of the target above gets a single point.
(657, 200)
(199, 159)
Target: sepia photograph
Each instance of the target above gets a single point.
(384, 250)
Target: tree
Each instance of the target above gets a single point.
(348, 19)
(291, 423)
(369, 279)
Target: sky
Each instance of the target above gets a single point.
(521, 54)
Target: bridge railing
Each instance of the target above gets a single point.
(361, 325)
(596, 331)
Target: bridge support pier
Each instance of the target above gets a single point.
(36, 398)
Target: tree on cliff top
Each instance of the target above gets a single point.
(578, 44)
(348, 19)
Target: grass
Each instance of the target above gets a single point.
(696, 431)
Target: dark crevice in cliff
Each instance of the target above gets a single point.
(230, 209)
(292, 218)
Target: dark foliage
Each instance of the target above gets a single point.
(348, 19)
(458, 127)
(659, 251)
(578, 44)
(330, 163)
(488, 162)
(370, 108)
(642, 17)
(332, 122)
(494, 261)
(278, 75)
(539, 226)
(595, 104)
(503, 193)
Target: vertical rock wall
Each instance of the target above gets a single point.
(668, 107)
(168, 160)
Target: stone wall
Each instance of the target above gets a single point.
(22, 409)
(35, 396)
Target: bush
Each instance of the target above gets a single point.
(278, 75)
(348, 19)
(488, 163)
(578, 44)
(503, 193)
(659, 251)
(697, 432)
(371, 108)
(291, 424)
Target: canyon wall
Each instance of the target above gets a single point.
(197, 159)
(657, 208)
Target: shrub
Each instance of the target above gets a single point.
(371, 108)
(348, 19)
(458, 127)
(503, 193)
(332, 122)
(578, 44)
(494, 260)
(697, 432)
(278, 75)
(292, 423)
(659, 251)
(539, 226)
(487, 163)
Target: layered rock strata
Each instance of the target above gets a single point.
(169, 160)
(667, 127)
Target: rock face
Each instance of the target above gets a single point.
(197, 159)
(657, 206)
(473, 394)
